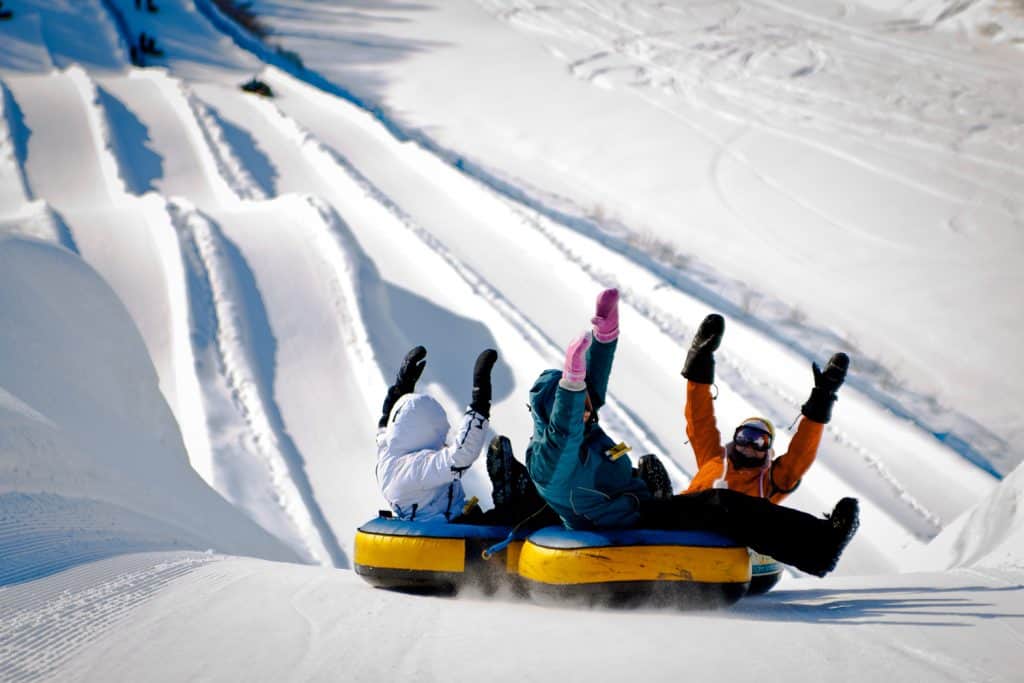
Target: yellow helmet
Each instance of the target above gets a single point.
(752, 431)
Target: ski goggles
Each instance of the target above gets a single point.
(752, 437)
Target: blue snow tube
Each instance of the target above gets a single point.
(765, 572)
(624, 566)
(433, 556)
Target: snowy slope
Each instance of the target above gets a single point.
(316, 624)
(470, 174)
(989, 535)
(204, 288)
(92, 461)
(837, 176)
(212, 282)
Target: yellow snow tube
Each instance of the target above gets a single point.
(431, 556)
(688, 569)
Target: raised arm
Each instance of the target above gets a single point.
(788, 469)
(405, 381)
(429, 468)
(699, 370)
(602, 353)
(558, 434)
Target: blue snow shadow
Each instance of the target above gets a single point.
(139, 164)
(18, 132)
(247, 149)
(19, 135)
(915, 605)
(452, 342)
(43, 533)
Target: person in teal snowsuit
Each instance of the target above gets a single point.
(594, 484)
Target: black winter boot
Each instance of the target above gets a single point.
(843, 524)
(500, 471)
(655, 476)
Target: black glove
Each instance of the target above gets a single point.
(481, 402)
(826, 384)
(405, 381)
(700, 360)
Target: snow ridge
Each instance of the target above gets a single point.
(265, 438)
(228, 180)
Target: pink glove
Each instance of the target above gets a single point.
(575, 369)
(606, 318)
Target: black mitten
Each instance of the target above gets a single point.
(405, 381)
(700, 360)
(655, 476)
(481, 402)
(826, 384)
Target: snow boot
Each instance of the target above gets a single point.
(655, 476)
(843, 523)
(500, 470)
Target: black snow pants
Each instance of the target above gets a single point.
(793, 537)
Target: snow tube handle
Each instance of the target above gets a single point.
(488, 553)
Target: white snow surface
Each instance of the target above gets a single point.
(204, 293)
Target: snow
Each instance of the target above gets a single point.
(204, 293)
(717, 109)
(90, 452)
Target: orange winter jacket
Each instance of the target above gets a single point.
(774, 482)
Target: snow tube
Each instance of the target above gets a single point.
(432, 556)
(765, 572)
(625, 566)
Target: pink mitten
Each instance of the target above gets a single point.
(575, 369)
(606, 317)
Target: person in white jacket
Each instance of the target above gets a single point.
(418, 471)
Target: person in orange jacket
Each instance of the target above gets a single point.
(747, 463)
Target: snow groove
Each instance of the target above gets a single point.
(117, 189)
(336, 246)
(188, 407)
(229, 165)
(40, 631)
(266, 438)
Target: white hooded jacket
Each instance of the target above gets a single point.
(418, 473)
